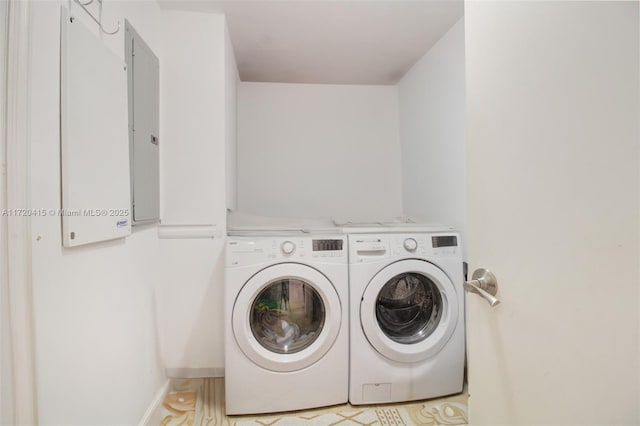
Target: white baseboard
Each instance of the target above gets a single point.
(193, 373)
(153, 416)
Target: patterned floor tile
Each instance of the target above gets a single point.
(200, 402)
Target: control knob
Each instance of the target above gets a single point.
(288, 247)
(410, 244)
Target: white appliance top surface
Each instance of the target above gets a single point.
(386, 225)
(243, 224)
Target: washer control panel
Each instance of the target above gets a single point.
(251, 250)
(288, 248)
(410, 244)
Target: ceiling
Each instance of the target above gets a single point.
(329, 42)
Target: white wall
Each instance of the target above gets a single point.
(432, 133)
(192, 75)
(195, 81)
(318, 150)
(232, 79)
(110, 316)
(196, 191)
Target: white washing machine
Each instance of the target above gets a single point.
(407, 335)
(286, 322)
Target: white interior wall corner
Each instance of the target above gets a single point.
(432, 133)
(232, 79)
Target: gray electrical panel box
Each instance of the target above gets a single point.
(143, 72)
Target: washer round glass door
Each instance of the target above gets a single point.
(409, 310)
(286, 317)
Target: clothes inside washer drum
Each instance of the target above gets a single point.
(287, 316)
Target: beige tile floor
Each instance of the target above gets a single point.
(200, 402)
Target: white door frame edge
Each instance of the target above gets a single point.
(18, 244)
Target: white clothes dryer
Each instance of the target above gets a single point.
(407, 335)
(286, 322)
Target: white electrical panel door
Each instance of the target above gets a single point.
(94, 138)
(143, 78)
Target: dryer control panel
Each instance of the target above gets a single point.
(365, 248)
(254, 250)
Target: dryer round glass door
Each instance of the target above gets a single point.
(286, 317)
(409, 310)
